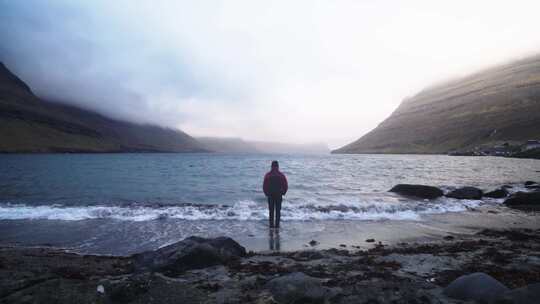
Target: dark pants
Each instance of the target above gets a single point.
(274, 207)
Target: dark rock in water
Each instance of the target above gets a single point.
(370, 240)
(191, 253)
(449, 238)
(499, 193)
(524, 201)
(478, 287)
(420, 191)
(529, 183)
(313, 243)
(466, 193)
(507, 187)
(297, 288)
(163, 216)
(524, 295)
(533, 187)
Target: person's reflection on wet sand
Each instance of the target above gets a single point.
(273, 239)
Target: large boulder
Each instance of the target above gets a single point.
(530, 183)
(498, 193)
(420, 191)
(466, 193)
(191, 253)
(524, 295)
(297, 288)
(478, 287)
(524, 201)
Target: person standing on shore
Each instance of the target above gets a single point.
(275, 186)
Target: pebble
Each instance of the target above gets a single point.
(101, 289)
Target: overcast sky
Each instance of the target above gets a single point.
(292, 71)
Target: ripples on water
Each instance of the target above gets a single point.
(140, 187)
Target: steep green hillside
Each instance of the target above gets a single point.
(501, 104)
(29, 124)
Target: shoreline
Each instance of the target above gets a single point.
(494, 245)
(410, 271)
(100, 236)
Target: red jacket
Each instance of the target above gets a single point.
(283, 180)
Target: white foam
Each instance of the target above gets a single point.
(242, 211)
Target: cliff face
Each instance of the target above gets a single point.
(31, 125)
(500, 104)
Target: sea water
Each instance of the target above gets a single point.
(124, 203)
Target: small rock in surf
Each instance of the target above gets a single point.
(524, 201)
(499, 193)
(420, 191)
(466, 193)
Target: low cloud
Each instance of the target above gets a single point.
(297, 71)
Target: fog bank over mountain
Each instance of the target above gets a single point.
(324, 71)
(29, 124)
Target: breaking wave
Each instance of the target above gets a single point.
(242, 211)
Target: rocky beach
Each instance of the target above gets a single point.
(505, 264)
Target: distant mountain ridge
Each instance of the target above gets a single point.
(238, 145)
(287, 148)
(227, 145)
(29, 124)
(496, 105)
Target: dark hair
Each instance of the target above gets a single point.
(275, 164)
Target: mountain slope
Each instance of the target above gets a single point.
(31, 125)
(501, 104)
